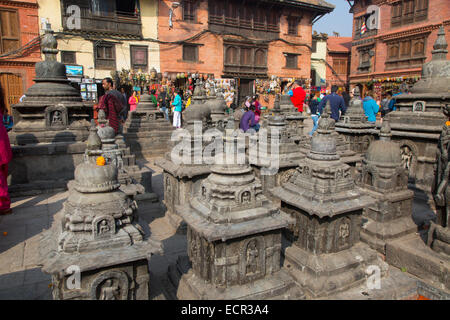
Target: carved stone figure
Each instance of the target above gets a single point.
(109, 291)
(252, 257)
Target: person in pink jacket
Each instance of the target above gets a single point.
(5, 158)
(133, 101)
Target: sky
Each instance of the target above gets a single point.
(339, 20)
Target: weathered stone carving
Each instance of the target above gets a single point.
(383, 176)
(326, 255)
(234, 240)
(97, 233)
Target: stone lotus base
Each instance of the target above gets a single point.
(411, 253)
(326, 274)
(185, 285)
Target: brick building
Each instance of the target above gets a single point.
(249, 42)
(338, 61)
(19, 47)
(392, 39)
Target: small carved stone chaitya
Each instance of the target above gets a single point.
(383, 177)
(183, 166)
(217, 105)
(234, 241)
(96, 235)
(417, 122)
(146, 130)
(354, 127)
(51, 125)
(343, 149)
(326, 255)
(294, 119)
(273, 153)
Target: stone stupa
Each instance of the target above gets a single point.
(50, 125)
(95, 249)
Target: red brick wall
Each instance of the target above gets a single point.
(211, 49)
(29, 29)
(438, 14)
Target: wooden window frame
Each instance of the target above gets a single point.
(98, 63)
(340, 66)
(291, 55)
(314, 46)
(135, 66)
(63, 55)
(196, 58)
(292, 26)
(10, 38)
(192, 15)
(407, 56)
(400, 17)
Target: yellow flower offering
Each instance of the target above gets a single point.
(101, 161)
(448, 123)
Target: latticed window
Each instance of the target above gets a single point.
(314, 46)
(9, 30)
(190, 52)
(105, 56)
(189, 11)
(291, 61)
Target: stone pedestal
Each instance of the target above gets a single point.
(95, 249)
(50, 125)
(326, 255)
(146, 131)
(234, 240)
(383, 177)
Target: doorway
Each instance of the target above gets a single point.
(245, 89)
(12, 89)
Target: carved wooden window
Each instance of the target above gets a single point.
(68, 57)
(291, 61)
(419, 47)
(406, 53)
(231, 55)
(189, 11)
(190, 52)
(260, 58)
(364, 59)
(292, 25)
(393, 51)
(105, 56)
(246, 56)
(408, 11)
(9, 30)
(139, 57)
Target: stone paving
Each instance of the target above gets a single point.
(20, 275)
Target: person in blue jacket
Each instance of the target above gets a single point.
(370, 107)
(177, 103)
